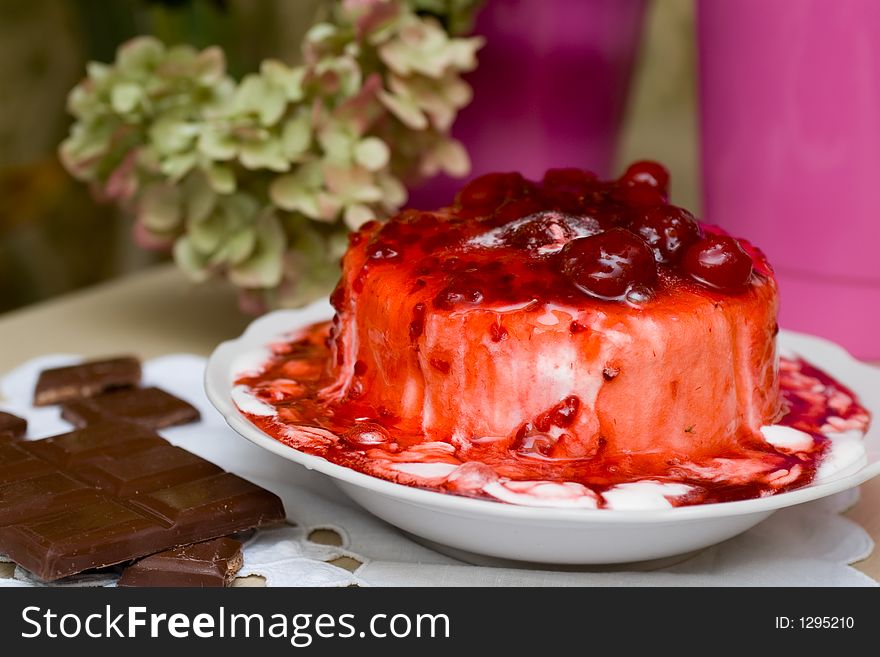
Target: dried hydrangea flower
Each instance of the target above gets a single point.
(259, 180)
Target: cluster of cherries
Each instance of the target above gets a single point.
(612, 240)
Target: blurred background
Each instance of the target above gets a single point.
(55, 238)
(777, 140)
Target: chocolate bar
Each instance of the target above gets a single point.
(88, 379)
(12, 426)
(209, 564)
(108, 494)
(151, 407)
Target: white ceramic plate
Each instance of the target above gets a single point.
(544, 535)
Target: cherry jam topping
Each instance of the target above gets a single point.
(569, 237)
(488, 192)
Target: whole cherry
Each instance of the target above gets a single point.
(668, 230)
(516, 208)
(609, 264)
(489, 191)
(646, 173)
(569, 178)
(719, 262)
(638, 195)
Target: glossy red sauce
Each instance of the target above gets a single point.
(369, 440)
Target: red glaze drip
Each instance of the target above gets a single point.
(371, 440)
(498, 332)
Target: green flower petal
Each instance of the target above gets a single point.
(289, 80)
(159, 208)
(241, 209)
(264, 267)
(199, 198)
(394, 193)
(190, 261)
(171, 135)
(216, 143)
(237, 248)
(337, 144)
(372, 153)
(339, 76)
(264, 155)
(256, 96)
(320, 32)
(211, 65)
(208, 235)
(357, 215)
(139, 54)
(328, 206)
(352, 184)
(125, 97)
(454, 158)
(404, 109)
(296, 136)
(296, 191)
(220, 177)
(98, 71)
(177, 166)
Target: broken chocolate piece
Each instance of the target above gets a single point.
(11, 425)
(150, 407)
(209, 564)
(108, 494)
(87, 379)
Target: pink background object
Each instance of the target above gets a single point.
(790, 106)
(549, 91)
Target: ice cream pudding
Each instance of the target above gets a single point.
(571, 342)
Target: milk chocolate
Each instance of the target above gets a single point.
(87, 379)
(12, 426)
(150, 407)
(105, 495)
(209, 564)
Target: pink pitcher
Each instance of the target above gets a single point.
(790, 102)
(550, 88)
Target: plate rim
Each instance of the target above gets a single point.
(218, 386)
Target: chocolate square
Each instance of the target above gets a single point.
(84, 537)
(209, 564)
(17, 464)
(96, 441)
(87, 379)
(214, 497)
(53, 492)
(145, 471)
(150, 407)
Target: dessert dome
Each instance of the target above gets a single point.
(552, 339)
(560, 319)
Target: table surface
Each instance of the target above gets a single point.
(158, 312)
